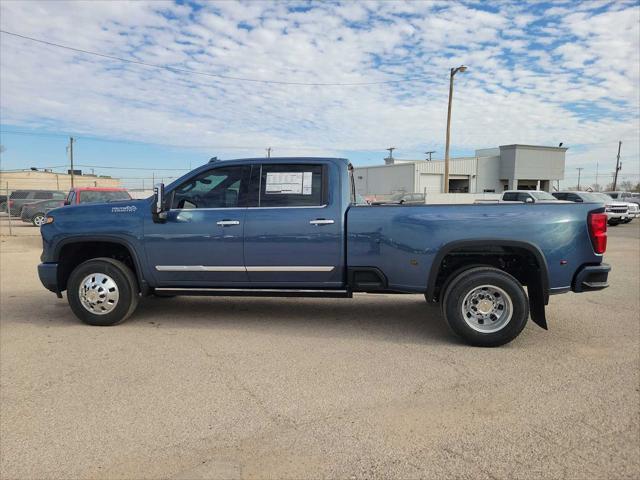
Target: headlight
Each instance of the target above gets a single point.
(48, 220)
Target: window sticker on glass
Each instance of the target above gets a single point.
(289, 183)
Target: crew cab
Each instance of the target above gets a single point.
(288, 227)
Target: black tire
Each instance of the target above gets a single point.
(613, 223)
(470, 281)
(127, 288)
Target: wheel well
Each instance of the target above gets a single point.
(519, 262)
(73, 254)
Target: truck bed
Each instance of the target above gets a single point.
(403, 241)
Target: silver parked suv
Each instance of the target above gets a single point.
(19, 198)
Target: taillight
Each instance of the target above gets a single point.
(598, 231)
(11, 203)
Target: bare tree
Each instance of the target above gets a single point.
(626, 185)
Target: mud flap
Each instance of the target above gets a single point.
(536, 304)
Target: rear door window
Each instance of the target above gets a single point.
(292, 185)
(510, 197)
(43, 195)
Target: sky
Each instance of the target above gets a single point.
(229, 79)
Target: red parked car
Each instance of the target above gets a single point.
(78, 195)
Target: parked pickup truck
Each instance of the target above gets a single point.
(288, 227)
(522, 196)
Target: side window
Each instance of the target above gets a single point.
(560, 196)
(71, 199)
(43, 195)
(294, 185)
(522, 197)
(573, 197)
(510, 197)
(217, 188)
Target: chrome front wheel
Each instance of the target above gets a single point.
(98, 293)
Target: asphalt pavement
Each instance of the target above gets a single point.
(372, 387)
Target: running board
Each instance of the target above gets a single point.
(255, 292)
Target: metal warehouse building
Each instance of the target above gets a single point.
(508, 167)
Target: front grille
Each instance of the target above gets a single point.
(617, 209)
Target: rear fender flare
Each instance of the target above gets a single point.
(538, 291)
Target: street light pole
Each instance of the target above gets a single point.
(461, 68)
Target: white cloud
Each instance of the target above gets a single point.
(567, 74)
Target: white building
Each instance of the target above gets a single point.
(493, 170)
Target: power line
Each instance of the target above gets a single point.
(136, 168)
(209, 74)
(210, 147)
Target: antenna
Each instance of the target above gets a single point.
(391, 149)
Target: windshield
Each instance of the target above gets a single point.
(592, 197)
(94, 196)
(603, 197)
(539, 195)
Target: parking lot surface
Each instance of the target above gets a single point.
(373, 387)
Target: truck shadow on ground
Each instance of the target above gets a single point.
(409, 319)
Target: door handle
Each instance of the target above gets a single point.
(227, 223)
(321, 221)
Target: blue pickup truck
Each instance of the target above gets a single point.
(289, 227)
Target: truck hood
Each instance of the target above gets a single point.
(120, 207)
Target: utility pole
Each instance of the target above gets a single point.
(429, 153)
(461, 68)
(268, 152)
(579, 172)
(71, 159)
(618, 167)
